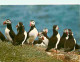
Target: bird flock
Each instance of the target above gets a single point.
(66, 41)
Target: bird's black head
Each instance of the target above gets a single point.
(7, 21)
(66, 31)
(32, 23)
(55, 27)
(20, 26)
(45, 30)
(41, 37)
(70, 32)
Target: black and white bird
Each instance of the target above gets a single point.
(44, 32)
(32, 34)
(9, 31)
(70, 43)
(63, 39)
(2, 37)
(42, 41)
(55, 38)
(21, 36)
(76, 45)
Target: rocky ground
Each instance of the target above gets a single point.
(63, 56)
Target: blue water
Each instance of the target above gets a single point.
(45, 16)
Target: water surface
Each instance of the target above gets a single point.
(45, 16)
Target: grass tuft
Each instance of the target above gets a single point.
(25, 53)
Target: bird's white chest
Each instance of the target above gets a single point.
(58, 36)
(25, 33)
(75, 40)
(45, 41)
(7, 34)
(33, 33)
(58, 39)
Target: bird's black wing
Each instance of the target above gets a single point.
(12, 34)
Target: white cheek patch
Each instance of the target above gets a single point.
(18, 24)
(45, 30)
(67, 31)
(32, 23)
(57, 28)
(8, 21)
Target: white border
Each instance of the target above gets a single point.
(39, 2)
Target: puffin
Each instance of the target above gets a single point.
(63, 39)
(54, 39)
(2, 37)
(21, 36)
(41, 35)
(76, 46)
(39, 41)
(10, 34)
(43, 41)
(69, 45)
(32, 33)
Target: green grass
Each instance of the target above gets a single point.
(25, 53)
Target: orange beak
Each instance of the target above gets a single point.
(58, 27)
(4, 23)
(16, 26)
(42, 38)
(30, 24)
(38, 34)
(46, 31)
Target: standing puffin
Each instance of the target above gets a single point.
(63, 39)
(32, 34)
(2, 37)
(9, 31)
(55, 38)
(76, 46)
(20, 38)
(70, 43)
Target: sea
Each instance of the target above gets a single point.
(45, 16)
